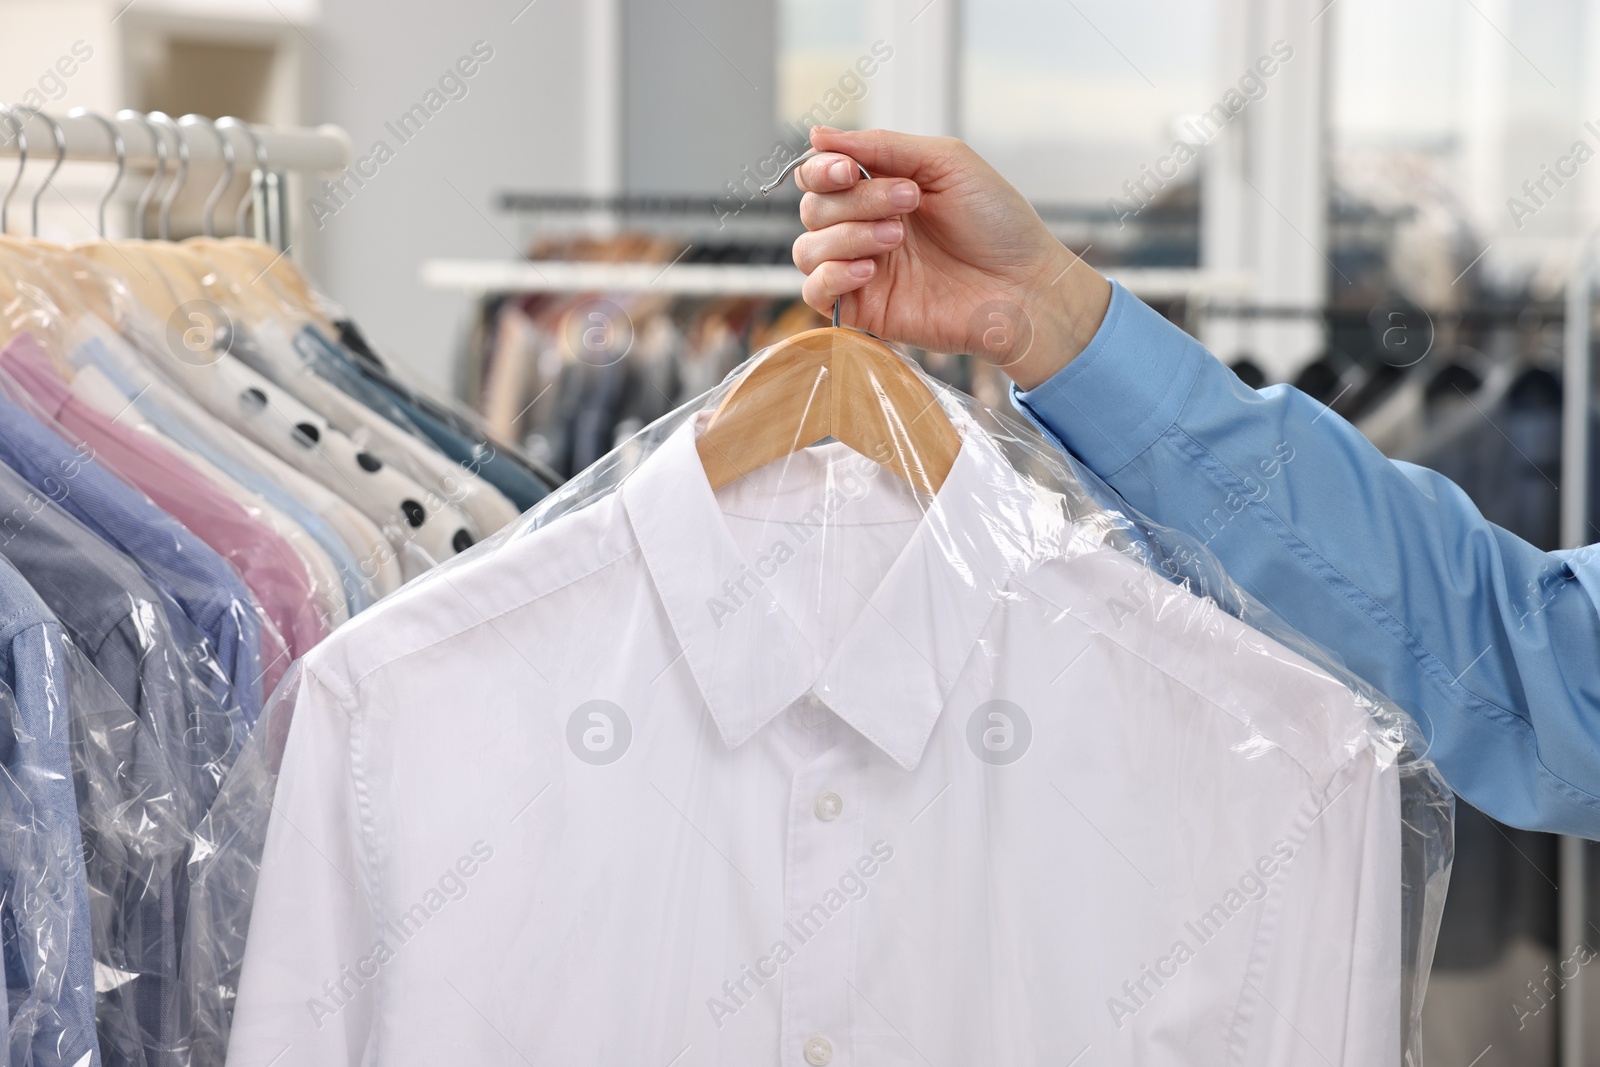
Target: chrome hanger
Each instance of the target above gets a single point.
(208, 215)
(179, 179)
(22, 163)
(118, 146)
(228, 122)
(130, 115)
(768, 188)
(61, 157)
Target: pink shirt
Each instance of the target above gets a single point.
(265, 561)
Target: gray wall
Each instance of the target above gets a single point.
(700, 95)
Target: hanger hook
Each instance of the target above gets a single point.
(61, 157)
(767, 189)
(22, 161)
(228, 122)
(180, 177)
(118, 147)
(208, 216)
(160, 148)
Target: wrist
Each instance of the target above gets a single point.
(1066, 306)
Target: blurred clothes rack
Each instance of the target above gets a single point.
(686, 287)
(1489, 395)
(571, 374)
(204, 469)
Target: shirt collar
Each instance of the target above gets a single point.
(896, 664)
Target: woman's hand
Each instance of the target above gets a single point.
(938, 251)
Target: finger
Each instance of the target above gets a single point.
(880, 198)
(888, 154)
(835, 278)
(827, 173)
(847, 241)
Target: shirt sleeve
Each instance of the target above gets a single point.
(314, 950)
(1489, 643)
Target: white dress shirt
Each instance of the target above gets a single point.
(810, 771)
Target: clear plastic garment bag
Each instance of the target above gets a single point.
(829, 719)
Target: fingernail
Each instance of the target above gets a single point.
(839, 172)
(825, 129)
(862, 268)
(903, 195)
(886, 230)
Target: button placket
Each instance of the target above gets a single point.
(824, 841)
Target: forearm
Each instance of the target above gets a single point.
(1490, 644)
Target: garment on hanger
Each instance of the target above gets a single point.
(385, 438)
(179, 519)
(1395, 420)
(152, 661)
(194, 578)
(900, 772)
(454, 433)
(44, 903)
(1496, 432)
(1504, 450)
(347, 540)
(263, 413)
(265, 561)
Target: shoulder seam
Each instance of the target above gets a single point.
(350, 687)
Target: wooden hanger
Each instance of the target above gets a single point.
(834, 383)
(830, 382)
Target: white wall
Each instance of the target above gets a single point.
(581, 95)
(522, 125)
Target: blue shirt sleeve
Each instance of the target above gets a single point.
(1491, 645)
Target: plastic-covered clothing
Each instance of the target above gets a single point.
(266, 561)
(999, 770)
(44, 904)
(195, 578)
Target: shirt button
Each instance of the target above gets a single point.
(818, 1051)
(828, 807)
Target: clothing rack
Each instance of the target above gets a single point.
(1578, 380)
(479, 277)
(747, 216)
(130, 140)
(286, 148)
(687, 204)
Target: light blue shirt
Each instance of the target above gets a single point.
(1491, 645)
(44, 895)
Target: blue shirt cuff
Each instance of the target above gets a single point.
(1122, 392)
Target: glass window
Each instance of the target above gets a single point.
(1068, 100)
(819, 42)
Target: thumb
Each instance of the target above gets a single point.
(887, 154)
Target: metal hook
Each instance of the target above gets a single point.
(61, 157)
(179, 179)
(22, 163)
(228, 122)
(208, 215)
(784, 173)
(795, 162)
(118, 146)
(130, 115)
